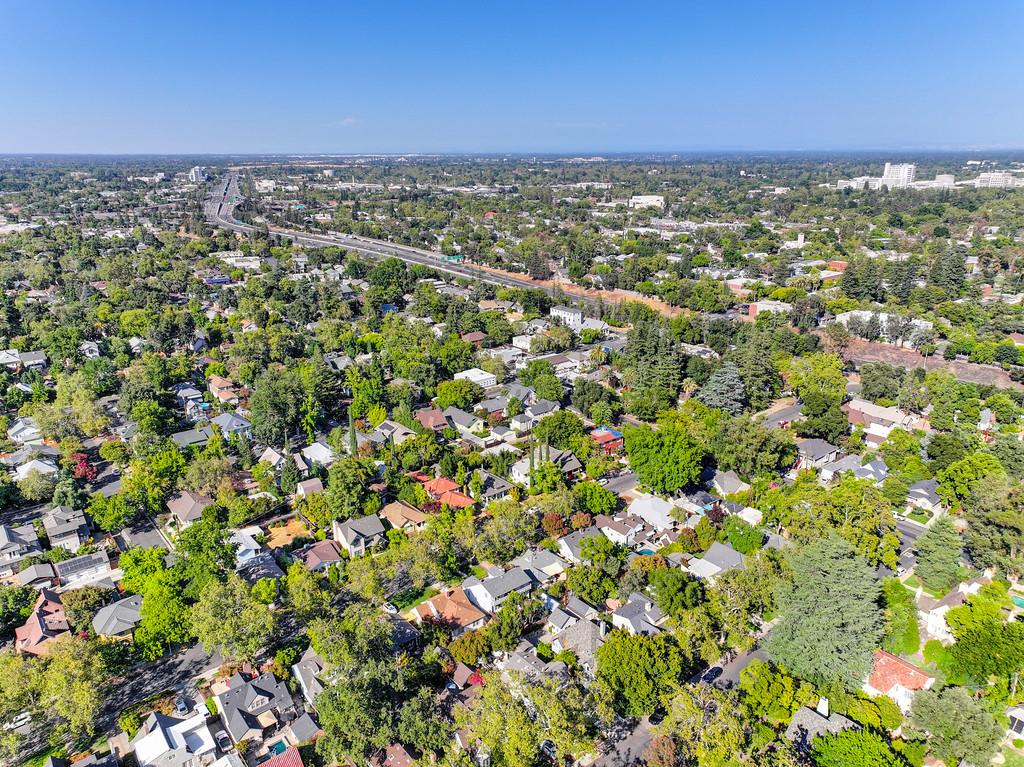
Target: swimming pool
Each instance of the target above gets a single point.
(1019, 601)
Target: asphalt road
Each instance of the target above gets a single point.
(621, 483)
(629, 750)
(219, 210)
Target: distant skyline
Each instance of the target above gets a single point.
(557, 77)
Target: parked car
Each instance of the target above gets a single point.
(181, 707)
(223, 741)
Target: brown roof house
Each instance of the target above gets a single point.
(187, 507)
(45, 624)
(453, 610)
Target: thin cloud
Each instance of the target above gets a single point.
(349, 122)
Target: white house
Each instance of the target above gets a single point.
(480, 377)
(655, 511)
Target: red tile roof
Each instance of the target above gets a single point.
(289, 758)
(887, 671)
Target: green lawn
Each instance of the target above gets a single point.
(412, 597)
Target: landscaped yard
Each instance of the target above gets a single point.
(282, 535)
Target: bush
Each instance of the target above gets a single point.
(211, 706)
(129, 721)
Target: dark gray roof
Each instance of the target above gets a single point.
(119, 617)
(244, 700)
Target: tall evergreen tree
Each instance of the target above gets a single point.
(829, 618)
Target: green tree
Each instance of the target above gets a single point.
(958, 726)
(421, 725)
(73, 682)
(15, 606)
(725, 390)
(592, 498)
(665, 460)
(938, 556)
(902, 635)
(636, 670)
(305, 595)
(500, 722)
(829, 623)
(675, 590)
(856, 748)
(164, 619)
(459, 393)
(229, 619)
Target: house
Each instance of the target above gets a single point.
(932, 612)
(444, 491)
(16, 543)
(25, 431)
(66, 527)
(308, 672)
(476, 337)
(566, 462)
(481, 378)
(251, 707)
(493, 487)
(403, 516)
(87, 570)
(719, 558)
(815, 453)
(490, 593)
(42, 467)
(453, 609)
(391, 432)
(610, 441)
(622, 530)
(569, 545)
(897, 679)
(875, 471)
(38, 576)
(543, 566)
(924, 495)
(1015, 714)
(223, 390)
(319, 556)
(308, 487)
(655, 511)
(197, 437)
(164, 741)
(639, 615)
(276, 460)
(465, 423)
(260, 567)
(246, 546)
(118, 619)
(835, 468)
(583, 638)
(46, 623)
(394, 755)
(187, 507)
(542, 408)
(728, 483)
(318, 453)
(92, 760)
(568, 316)
(432, 419)
(357, 536)
(807, 724)
(232, 423)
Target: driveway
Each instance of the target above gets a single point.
(629, 750)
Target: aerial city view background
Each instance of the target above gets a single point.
(544, 385)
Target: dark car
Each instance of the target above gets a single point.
(712, 674)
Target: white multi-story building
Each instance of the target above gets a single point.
(647, 201)
(898, 175)
(996, 179)
(197, 175)
(570, 317)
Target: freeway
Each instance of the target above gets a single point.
(220, 211)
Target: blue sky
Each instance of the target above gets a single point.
(185, 76)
